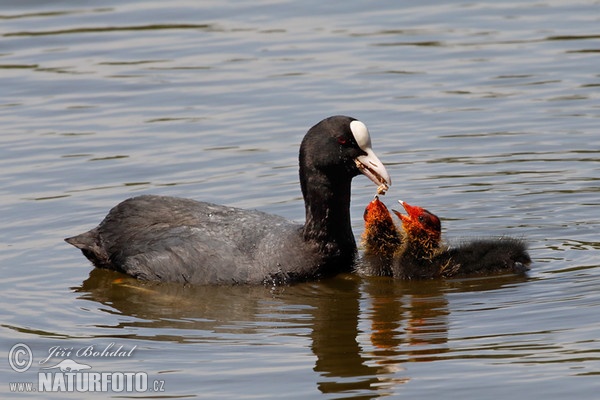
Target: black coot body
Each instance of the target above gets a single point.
(172, 239)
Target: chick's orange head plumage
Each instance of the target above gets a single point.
(379, 225)
(419, 221)
(376, 212)
(381, 236)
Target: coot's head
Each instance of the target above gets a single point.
(340, 148)
(420, 223)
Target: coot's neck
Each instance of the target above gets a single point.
(327, 203)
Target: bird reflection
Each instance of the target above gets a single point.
(363, 331)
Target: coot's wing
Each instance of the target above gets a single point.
(182, 240)
(184, 254)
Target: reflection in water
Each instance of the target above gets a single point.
(208, 309)
(487, 110)
(406, 321)
(409, 320)
(340, 360)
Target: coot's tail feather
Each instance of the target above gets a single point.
(83, 241)
(88, 244)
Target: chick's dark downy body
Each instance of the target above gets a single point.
(420, 253)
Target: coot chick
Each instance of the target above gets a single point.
(163, 238)
(420, 253)
(422, 232)
(424, 256)
(380, 239)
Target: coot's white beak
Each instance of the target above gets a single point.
(369, 164)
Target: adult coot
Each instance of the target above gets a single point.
(162, 238)
(420, 254)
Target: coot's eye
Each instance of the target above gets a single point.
(342, 140)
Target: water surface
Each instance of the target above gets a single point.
(486, 113)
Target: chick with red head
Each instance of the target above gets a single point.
(416, 251)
